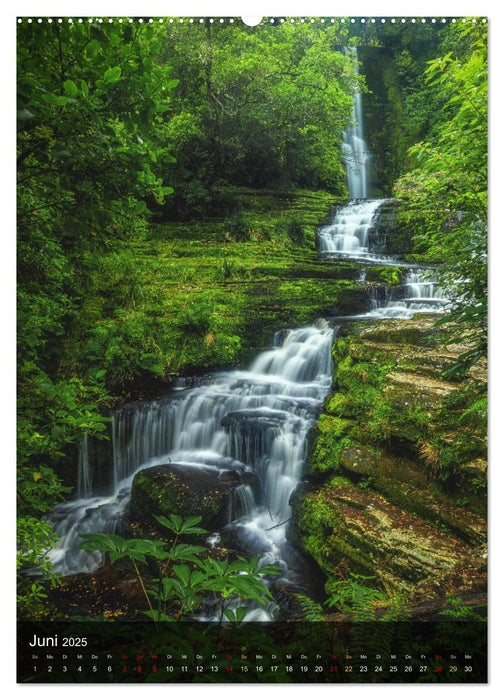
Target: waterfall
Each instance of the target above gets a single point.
(356, 155)
(420, 293)
(84, 470)
(251, 421)
(348, 234)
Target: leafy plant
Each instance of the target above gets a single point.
(312, 611)
(451, 169)
(186, 581)
(353, 595)
(34, 540)
(457, 610)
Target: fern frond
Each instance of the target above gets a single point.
(429, 455)
(311, 610)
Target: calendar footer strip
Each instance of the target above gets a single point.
(359, 652)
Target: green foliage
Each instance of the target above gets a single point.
(295, 230)
(455, 451)
(385, 275)
(355, 596)
(360, 381)
(85, 167)
(329, 440)
(89, 158)
(34, 539)
(312, 611)
(457, 610)
(477, 414)
(451, 170)
(237, 228)
(186, 579)
(461, 436)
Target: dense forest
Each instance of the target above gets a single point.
(172, 177)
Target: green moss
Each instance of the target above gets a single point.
(163, 490)
(388, 275)
(337, 404)
(336, 427)
(327, 443)
(209, 293)
(319, 523)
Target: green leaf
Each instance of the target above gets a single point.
(172, 523)
(241, 614)
(183, 573)
(250, 588)
(84, 88)
(269, 569)
(159, 617)
(141, 207)
(186, 552)
(70, 88)
(139, 549)
(112, 75)
(58, 100)
(188, 526)
(103, 543)
(196, 578)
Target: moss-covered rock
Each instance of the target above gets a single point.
(177, 489)
(342, 522)
(406, 486)
(325, 444)
(396, 464)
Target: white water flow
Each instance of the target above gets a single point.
(348, 234)
(420, 293)
(241, 422)
(356, 155)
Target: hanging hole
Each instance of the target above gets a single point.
(251, 21)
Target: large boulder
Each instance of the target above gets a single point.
(173, 488)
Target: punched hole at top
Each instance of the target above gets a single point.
(252, 21)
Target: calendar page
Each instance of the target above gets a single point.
(252, 349)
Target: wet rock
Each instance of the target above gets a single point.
(377, 538)
(184, 491)
(396, 476)
(406, 486)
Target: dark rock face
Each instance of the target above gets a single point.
(184, 491)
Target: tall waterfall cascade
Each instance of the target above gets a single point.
(250, 421)
(348, 233)
(355, 150)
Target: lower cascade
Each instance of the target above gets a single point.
(253, 421)
(420, 293)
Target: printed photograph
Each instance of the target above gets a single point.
(252, 350)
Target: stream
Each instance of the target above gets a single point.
(246, 422)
